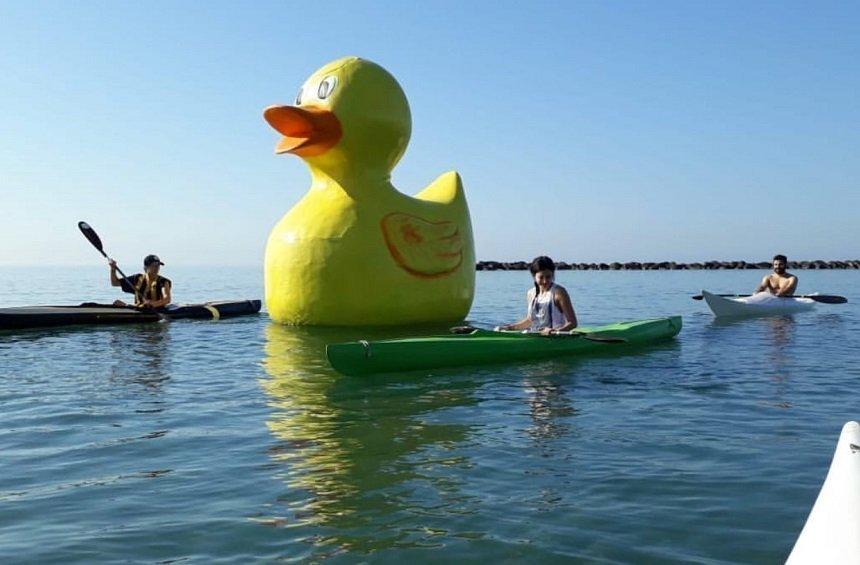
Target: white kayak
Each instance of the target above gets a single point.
(832, 530)
(760, 304)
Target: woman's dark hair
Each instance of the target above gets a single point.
(542, 263)
(782, 258)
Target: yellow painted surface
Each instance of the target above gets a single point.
(354, 250)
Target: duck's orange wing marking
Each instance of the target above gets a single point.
(423, 248)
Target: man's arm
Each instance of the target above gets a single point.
(114, 280)
(765, 284)
(788, 289)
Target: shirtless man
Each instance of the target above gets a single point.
(780, 282)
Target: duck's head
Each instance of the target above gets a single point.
(350, 115)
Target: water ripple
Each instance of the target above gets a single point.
(234, 441)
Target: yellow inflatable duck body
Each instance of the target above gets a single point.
(354, 250)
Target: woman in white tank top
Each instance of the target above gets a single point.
(549, 306)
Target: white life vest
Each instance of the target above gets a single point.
(543, 311)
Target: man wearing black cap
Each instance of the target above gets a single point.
(149, 288)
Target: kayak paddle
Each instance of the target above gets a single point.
(591, 337)
(571, 333)
(823, 298)
(93, 238)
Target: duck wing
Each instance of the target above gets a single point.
(422, 247)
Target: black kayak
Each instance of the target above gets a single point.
(212, 310)
(25, 317)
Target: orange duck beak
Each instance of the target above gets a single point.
(307, 131)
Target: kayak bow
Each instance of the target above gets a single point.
(832, 530)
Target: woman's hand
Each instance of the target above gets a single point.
(546, 331)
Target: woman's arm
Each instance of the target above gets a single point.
(523, 324)
(562, 300)
(526, 322)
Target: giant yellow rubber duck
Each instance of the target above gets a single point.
(354, 250)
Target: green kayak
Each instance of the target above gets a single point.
(483, 346)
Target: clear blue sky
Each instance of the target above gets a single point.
(588, 131)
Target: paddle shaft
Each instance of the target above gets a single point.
(570, 333)
(118, 270)
(96, 241)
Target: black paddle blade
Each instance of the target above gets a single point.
(828, 299)
(602, 339)
(463, 330)
(606, 339)
(91, 235)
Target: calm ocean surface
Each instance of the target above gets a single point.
(234, 441)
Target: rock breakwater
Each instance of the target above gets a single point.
(667, 265)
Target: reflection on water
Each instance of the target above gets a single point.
(550, 409)
(777, 331)
(777, 335)
(782, 330)
(550, 406)
(357, 446)
(140, 355)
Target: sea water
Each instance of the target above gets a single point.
(197, 441)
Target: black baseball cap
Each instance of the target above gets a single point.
(150, 259)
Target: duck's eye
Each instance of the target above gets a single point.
(326, 87)
(299, 97)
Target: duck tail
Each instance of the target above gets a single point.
(446, 189)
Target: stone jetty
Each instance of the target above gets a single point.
(668, 265)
